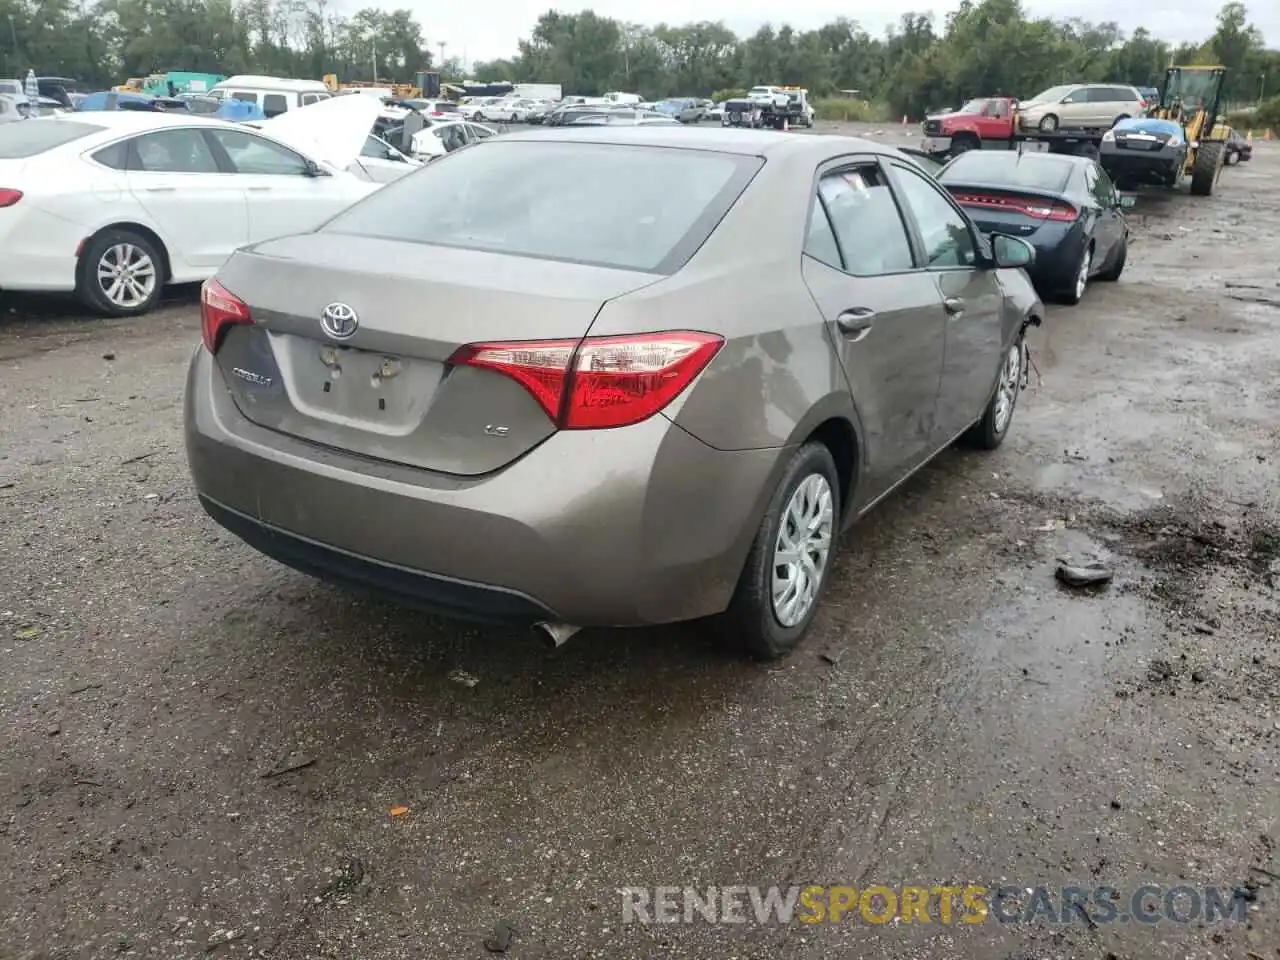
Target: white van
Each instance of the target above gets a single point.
(275, 95)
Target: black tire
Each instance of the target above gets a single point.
(89, 286)
(987, 433)
(750, 623)
(1207, 169)
(1049, 123)
(964, 143)
(1072, 295)
(1112, 273)
(478, 116)
(1230, 158)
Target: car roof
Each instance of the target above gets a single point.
(755, 143)
(128, 120)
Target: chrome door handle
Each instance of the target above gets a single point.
(857, 323)
(954, 305)
(162, 189)
(259, 189)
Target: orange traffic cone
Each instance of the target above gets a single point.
(1267, 135)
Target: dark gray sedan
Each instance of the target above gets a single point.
(503, 388)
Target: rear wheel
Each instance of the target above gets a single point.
(1206, 169)
(989, 432)
(787, 569)
(478, 116)
(1113, 272)
(1048, 123)
(120, 274)
(1075, 293)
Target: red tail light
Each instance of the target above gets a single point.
(599, 382)
(9, 197)
(1037, 207)
(219, 309)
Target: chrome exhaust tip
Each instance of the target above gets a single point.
(558, 632)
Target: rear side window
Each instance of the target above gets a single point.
(867, 223)
(310, 98)
(274, 104)
(115, 156)
(19, 141)
(629, 207)
(174, 151)
(1007, 169)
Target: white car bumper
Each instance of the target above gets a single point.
(40, 250)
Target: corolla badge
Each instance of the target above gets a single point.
(339, 321)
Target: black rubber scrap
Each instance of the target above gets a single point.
(500, 940)
(1084, 574)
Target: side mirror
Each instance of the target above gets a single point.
(313, 169)
(1011, 251)
(1127, 201)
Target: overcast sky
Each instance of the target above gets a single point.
(491, 30)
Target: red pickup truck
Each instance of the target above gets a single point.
(987, 121)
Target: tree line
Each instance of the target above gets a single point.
(986, 47)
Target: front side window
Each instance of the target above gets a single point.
(255, 155)
(867, 223)
(274, 104)
(1079, 96)
(948, 238)
(245, 96)
(174, 151)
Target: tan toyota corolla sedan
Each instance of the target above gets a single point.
(605, 377)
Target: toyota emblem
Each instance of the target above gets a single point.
(339, 321)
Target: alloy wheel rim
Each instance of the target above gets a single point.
(1082, 277)
(126, 275)
(1007, 391)
(802, 549)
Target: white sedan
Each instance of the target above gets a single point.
(114, 205)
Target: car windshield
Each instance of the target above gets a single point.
(560, 201)
(1004, 168)
(21, 140)
(1052, 94)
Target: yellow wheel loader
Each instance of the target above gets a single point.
(1192, 97)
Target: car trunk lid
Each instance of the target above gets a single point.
(383, 386)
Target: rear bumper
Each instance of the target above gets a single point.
(626, 527)
(1117, 159)
(40, 251)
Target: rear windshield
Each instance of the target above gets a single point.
(999, 168)
(21, 140)
(630, 207)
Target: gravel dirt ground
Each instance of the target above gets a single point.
(201, 748)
